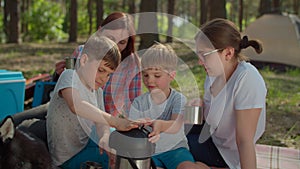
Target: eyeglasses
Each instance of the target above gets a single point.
(204, 54)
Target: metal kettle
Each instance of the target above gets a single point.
(133, 149)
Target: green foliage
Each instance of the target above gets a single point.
(45, 20)
(83, 18)
(162, 23)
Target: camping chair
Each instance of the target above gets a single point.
(39, 88)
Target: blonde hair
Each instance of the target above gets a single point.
(159, 56)
(102, 48)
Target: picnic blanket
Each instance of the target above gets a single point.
(273, 157)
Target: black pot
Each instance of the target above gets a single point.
(132, 144)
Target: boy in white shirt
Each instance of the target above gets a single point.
(77, 105)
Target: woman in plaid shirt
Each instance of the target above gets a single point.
(125, 83)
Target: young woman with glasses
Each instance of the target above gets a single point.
(234, 99)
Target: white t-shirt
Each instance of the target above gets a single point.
(68, 133)
(244, 90)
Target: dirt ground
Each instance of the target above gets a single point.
(33, 59)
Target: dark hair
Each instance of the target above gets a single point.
(223, 33)
(124, 21)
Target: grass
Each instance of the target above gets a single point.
(283, 108)
(283, 98)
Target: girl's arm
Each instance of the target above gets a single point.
(90, 112)
(246, 123)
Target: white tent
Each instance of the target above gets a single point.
(280, 37)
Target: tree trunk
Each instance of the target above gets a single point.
(131, 6)
(5, 17)
(264, 7)
(296, 7)
(90, 14)
(73, 21)
(148, 29)
(197, 15)
(24, 8)
(276, 6)
(11, 21)
(171, 6)
(124, 4)
(217, 9)
(241, 15)
(204, 5)
(99, 12)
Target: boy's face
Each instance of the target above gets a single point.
(157, 80)
(102, 75)
(96, 73)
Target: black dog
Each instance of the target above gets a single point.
(21, 150)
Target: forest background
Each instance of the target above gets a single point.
(35, 34)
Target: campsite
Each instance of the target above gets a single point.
(29, 53)
(280, 35)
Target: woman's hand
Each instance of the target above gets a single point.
(60, 67)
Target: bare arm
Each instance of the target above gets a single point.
(103, 132)
(246, 123)
(168, 126)
(90, 112)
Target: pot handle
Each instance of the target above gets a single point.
(132, 163)
(153, 166)
(134, 166)
(147, 131)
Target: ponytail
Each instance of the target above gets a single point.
(244, 43)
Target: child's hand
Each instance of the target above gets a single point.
(104, 144)
(112, 160)
(144, 121)
(154, 138)
(156, 130)
(123, 124)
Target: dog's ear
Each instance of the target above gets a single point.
(7, 129)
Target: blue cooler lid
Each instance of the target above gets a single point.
(6, 76)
